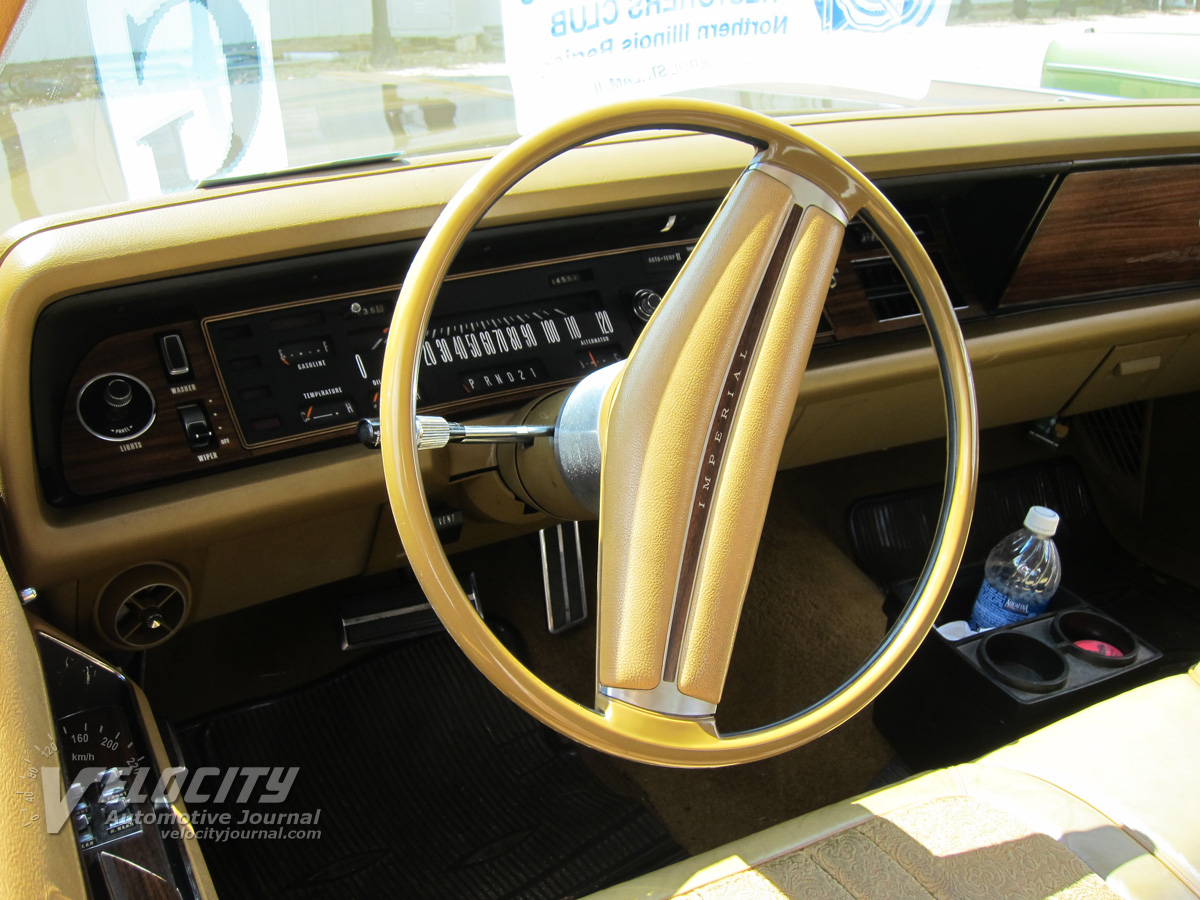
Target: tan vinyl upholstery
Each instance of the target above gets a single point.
(1101, 804)
(1134, 758)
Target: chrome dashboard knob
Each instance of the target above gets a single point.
(117, 393)
(645, 302)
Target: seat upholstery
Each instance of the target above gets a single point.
(1133, 758)
(1000, 827)
(946, 848)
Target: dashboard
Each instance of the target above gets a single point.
(161, 381)
(191, 370)
(219, 370)
(169, 380)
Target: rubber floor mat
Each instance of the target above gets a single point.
(430, 783)
(891, 536)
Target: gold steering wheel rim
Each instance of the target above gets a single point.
(615, 726)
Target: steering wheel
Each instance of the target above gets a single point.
(691, 429)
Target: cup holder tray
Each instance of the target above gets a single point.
(1055, 652)
(958, 699)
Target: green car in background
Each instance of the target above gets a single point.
(1139, 66)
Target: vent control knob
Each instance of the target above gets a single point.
(645, 302)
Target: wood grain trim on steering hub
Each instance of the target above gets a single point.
(756, 439)
(718, 431)
(659, 423)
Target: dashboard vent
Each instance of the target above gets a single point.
(886, 290)
(1118, 436)
(143, 606)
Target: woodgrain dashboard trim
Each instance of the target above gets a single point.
(1138, 227)
(92, 466)
(90, 471)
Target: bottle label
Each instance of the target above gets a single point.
(994, 609)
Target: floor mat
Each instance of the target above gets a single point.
(430, 784)
(891, 536)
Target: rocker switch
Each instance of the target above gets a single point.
(195, 426)
(174, 356)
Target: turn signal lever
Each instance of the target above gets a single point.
(434, 432)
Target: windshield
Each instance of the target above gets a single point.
(110, 100)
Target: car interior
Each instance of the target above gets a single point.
(231, 548)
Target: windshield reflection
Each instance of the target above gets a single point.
(138, 99)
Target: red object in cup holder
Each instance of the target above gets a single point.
(1094, 637)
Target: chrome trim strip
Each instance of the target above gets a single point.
(665, 699)
(804, 191)
(386, 614)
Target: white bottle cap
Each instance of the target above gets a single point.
(1041, 520)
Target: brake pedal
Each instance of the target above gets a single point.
(563, 577)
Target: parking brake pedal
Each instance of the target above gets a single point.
(563, 577)
(393, 615)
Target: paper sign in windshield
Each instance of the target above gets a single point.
(189, 89)
(566, 55)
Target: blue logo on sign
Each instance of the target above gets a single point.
(873, 15)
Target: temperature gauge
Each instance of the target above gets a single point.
(323, 413)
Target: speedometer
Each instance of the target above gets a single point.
(515, 348)
(313, 367)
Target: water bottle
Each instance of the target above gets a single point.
(1021, 575)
